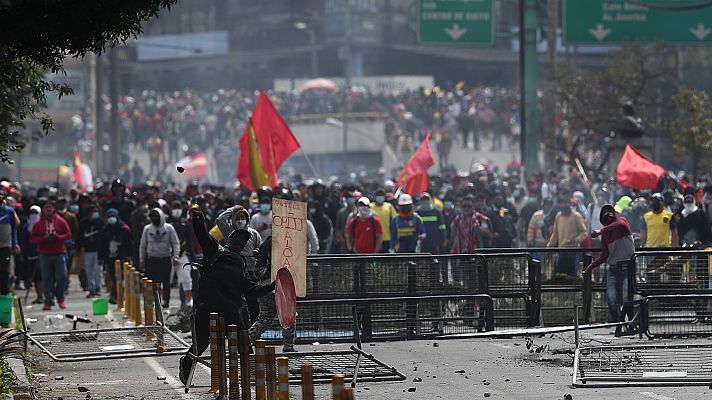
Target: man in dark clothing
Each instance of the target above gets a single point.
(224, 285)
(88, 242)
(118, 200)
(434, 225)
(187, 252)
(115, 243)
(692, 225)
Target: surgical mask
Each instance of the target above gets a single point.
(177, 213)
(74, 208)
(34, 218)
(425, 204)
(95, 215)
(264, 208)
(364, 212)
(689, 207)
(312, 211)
(112, 220)
(516, 194)
(449, 205)
(350, 201)
(380, 199)
(241, 224)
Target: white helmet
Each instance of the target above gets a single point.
(404, 200)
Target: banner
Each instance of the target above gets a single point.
(289, 241)
(637, 171)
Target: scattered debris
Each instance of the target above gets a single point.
(417, 379)
(436, 344)
(460, 371)
(412, 389)
(488, 394)
(161, 378)
(83, 389)
(568, 396)
(59, 378)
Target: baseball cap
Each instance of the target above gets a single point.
(364, 201)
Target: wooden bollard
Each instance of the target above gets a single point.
(271, 374)
(245, 349)
(337, 386)
(214, 359)
(125, 281)
(347, 393)
(221, 356)
(233, 351)
(283, 378)
(260, 370)
(307, 382)
(148, 301)
(129, 306)
(119, 273)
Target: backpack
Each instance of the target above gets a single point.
(353, 230)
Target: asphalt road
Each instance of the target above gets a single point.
(445, 369)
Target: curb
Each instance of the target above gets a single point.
(23, 388)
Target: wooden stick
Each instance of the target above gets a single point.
(119, 273)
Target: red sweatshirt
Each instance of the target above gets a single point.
(53, 244)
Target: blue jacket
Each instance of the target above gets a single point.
(8, 227)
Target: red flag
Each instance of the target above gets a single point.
(637, 171)
(416, 170)
(250, 168)
(274, 138)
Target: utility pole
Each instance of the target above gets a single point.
(347, 79)
(549, 131)
(98, 113)
(528, 77)
(115, 149)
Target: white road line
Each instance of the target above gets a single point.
(504, 346)
(156, 367)
(656, 396)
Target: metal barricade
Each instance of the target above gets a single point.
(677, 315)
(673, 272)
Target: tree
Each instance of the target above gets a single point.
(36, 37)
(691, 129)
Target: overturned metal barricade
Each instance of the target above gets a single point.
(668, 364)
(153, 340)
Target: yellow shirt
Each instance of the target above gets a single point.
(385, 213)
(657, 227)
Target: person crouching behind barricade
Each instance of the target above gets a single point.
(223, 284)
(617, 249)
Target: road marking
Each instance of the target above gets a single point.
(156, 367)
(504, 346)
(656, 396)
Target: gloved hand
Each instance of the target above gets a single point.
(391, 251)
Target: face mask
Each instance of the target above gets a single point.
(608, 219)
(350, 201)
(241, 224)
(34, 218)
(112, 220)
(516, 194)
(656, 205)
(74, 208)
(689, 207)
(177, 213)
(264, 208)
(449, 205)
(312, 211)
(95, 215)
(380, 200)
(425, 204)
(364, 212)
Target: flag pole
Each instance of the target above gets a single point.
(311, 166)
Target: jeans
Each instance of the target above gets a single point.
(616, 283)
(91, 265)
(158, 269)
(5, 254)
(54, 276)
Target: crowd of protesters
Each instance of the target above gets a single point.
(47, 233)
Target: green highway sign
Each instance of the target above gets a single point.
(615, 21)
(456, 21)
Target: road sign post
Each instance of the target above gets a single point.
(616, 21)
(456, 22)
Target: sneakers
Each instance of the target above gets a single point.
(37, 301)
(288, 348)
(46, 307)
(112, 300)
(62, 304)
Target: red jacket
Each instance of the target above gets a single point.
(50, 245)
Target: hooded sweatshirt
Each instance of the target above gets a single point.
(159, 241)
(617, 243)
(224, 224)
(55, 225)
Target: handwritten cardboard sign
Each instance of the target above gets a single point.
(289, 241)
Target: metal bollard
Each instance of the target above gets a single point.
(233, 351)
(307, 382)
(260, 370)
(271, 373)
(283, 378)
(119, 273)
(221, 356)
(148, 300)
(337, 386)
(214, 361)
(245, 349)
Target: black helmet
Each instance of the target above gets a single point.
(264, 191)
(318, 183)
(117, 183)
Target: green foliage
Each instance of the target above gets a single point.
(38, 35)
(691, 129)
